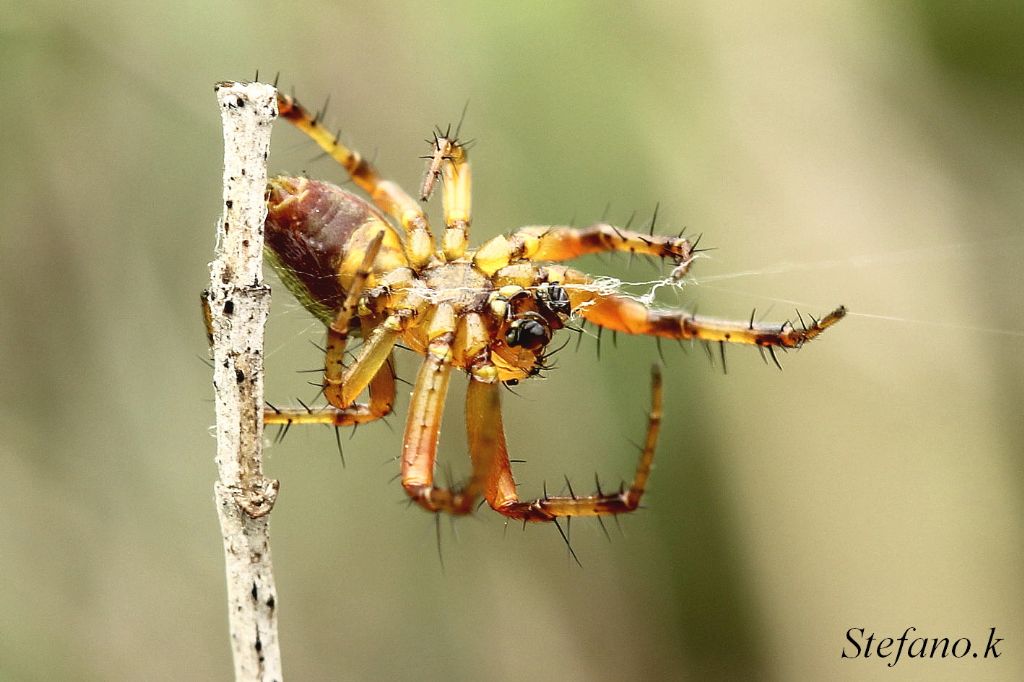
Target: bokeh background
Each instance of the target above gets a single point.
(860, 153)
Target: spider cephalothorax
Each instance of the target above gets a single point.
(491, 312)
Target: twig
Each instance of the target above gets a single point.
(237, 306)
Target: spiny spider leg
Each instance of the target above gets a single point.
(624, 314)
(373, 356)
(451, 162)
(371, 368)
(419, 450)
(382, 400)
(390, 197)
(490, 455)
(337, 330)
(561, 243)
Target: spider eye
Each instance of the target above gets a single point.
(531, 334)
(557, 300)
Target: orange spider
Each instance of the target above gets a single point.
(491, 312)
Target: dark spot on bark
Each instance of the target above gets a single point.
(229, 203)
(229, 307)
(254, 593)
(271, 603)
(259, 642)
(245, 242)
(227, 226)
(239, 376)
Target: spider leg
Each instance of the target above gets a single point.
(389, 196)
(490, 457)
(373, 355)
(382, 395)
(382, 400)
(451, 162)
(623, 314)
(561, 243)
(419, 451)
(342, 386)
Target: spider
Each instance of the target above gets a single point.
(374, 271)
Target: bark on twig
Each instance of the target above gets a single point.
(237, 306)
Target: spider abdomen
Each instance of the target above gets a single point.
(316, 235)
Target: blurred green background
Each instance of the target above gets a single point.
(860, 153)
